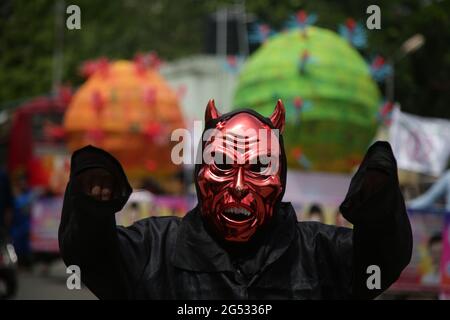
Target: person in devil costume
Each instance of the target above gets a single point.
(241, 241)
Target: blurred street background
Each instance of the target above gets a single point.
(122, 75)
(48, 285)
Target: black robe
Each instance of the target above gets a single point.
(177, 258)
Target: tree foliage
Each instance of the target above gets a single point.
(120, 29)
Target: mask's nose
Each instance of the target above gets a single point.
(239, 189)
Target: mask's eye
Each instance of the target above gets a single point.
(258, 167)
(224, 166)
(223, 162)
(261, 166)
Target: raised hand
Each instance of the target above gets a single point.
(373, 181)
(97, 183)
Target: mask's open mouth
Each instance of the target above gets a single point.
(237, 214)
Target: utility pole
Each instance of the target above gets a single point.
(58, 47)
(411, 45)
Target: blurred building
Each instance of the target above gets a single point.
(200, 78)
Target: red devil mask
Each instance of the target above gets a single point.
(242, 176)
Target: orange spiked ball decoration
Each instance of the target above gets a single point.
(128, 109)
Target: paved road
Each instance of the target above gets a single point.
(51, 285)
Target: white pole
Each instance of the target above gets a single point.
(242, 30)
(221, 32)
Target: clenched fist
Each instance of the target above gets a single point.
(97, 183)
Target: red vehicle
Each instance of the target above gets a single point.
(36, 144)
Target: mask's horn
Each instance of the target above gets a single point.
(211, 112)
(278, 116)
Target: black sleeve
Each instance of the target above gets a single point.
(110, 258)
(382, 232)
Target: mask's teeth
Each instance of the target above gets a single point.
(242, 211)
